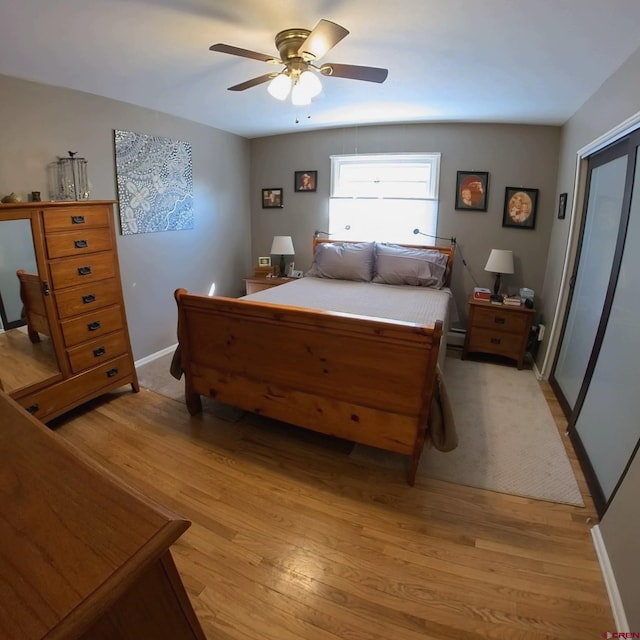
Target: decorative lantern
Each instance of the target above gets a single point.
(68, 178)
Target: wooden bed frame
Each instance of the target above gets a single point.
(368, 380)
(33, 311)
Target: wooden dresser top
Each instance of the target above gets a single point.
(73, 536)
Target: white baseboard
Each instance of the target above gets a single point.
(536, 371)
(619, 616)
(156, 355)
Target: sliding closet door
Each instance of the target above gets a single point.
(606, 185)
(608, 423)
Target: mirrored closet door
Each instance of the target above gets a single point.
(596, 368)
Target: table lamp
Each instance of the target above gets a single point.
(500, 261)
(282, 245)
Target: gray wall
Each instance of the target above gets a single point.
(616, 101)
(513, 155)
(42, 122)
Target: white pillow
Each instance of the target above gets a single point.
(404, 265)
(343, 261)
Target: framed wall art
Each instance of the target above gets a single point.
(155, 183)
(562, 206)
(520, 206)
(472, 190)
(272, 198)
(305, 181)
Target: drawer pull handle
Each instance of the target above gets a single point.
(94, 326)
(88, 299)
(33, 408)
(112, 372)
(99, 352)
(84, 271)
(77, 219)
(496, 340)
(499, 320)
(80, 244)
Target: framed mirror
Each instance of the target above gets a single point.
(27, 353)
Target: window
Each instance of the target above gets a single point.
(384, 197)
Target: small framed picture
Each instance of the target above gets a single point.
(305, 181)
(264, 261)
(520, 207)
(272, 198)
(472, 190)
(562, 206)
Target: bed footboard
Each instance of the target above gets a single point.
(33, 309)
(363, 379)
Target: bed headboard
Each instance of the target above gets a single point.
(448, 250)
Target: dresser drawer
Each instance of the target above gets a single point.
(92, 325)
(91, 354)
(254, 287)
(77, 242)
(89, 297)
(508, 321)
(57, 399)
(83, 269)
(488, 341)
(67, 218)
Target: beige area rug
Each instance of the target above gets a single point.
(508, 440)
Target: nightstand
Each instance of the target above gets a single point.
(498, 329)
(260, 283)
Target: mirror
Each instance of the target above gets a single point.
(27, 353)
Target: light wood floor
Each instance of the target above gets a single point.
(292, 539)
(22, 362)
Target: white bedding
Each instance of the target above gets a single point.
(420, 305)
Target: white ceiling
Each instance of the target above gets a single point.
(449, 60)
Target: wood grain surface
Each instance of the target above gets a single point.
(293, 539)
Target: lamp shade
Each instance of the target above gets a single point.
(282, 245)
(299, 95)
(310, 83)
(280, 86)
(500, 261)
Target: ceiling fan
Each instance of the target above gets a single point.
(299, 50)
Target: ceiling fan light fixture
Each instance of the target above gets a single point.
(300, 97)
(280, 86)
(299, 50)
(310, 83)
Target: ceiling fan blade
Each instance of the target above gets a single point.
(244, 53)
(325, 35)
(354, 72)
(254, 82)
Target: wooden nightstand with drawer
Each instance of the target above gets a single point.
(498, 329)
(260, 283)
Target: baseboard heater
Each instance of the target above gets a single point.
(455, 337)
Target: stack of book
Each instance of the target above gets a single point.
(516, 301)
(480, 293)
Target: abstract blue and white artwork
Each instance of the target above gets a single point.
(155, 183)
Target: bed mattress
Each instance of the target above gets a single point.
(407, 303)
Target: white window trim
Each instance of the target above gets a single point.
(352, 190)
(432, 158)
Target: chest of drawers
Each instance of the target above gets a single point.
(79, 277)
(498, 329)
